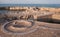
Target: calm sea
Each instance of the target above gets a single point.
(29, 5)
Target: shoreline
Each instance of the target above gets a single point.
(27, 8)
(55, 11)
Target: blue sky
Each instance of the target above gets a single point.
(29, 1)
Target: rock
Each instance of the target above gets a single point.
(56, 17)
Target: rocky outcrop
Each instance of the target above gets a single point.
(31, 13)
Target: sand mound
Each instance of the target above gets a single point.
(19, 26)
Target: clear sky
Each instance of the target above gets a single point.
(29, 1)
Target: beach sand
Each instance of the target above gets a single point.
(44, 28)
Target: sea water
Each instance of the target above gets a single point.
(30, 5)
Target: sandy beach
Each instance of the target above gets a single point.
(29, 22)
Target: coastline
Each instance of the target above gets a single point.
(26, 8)
(54, 11)
(49, 23)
